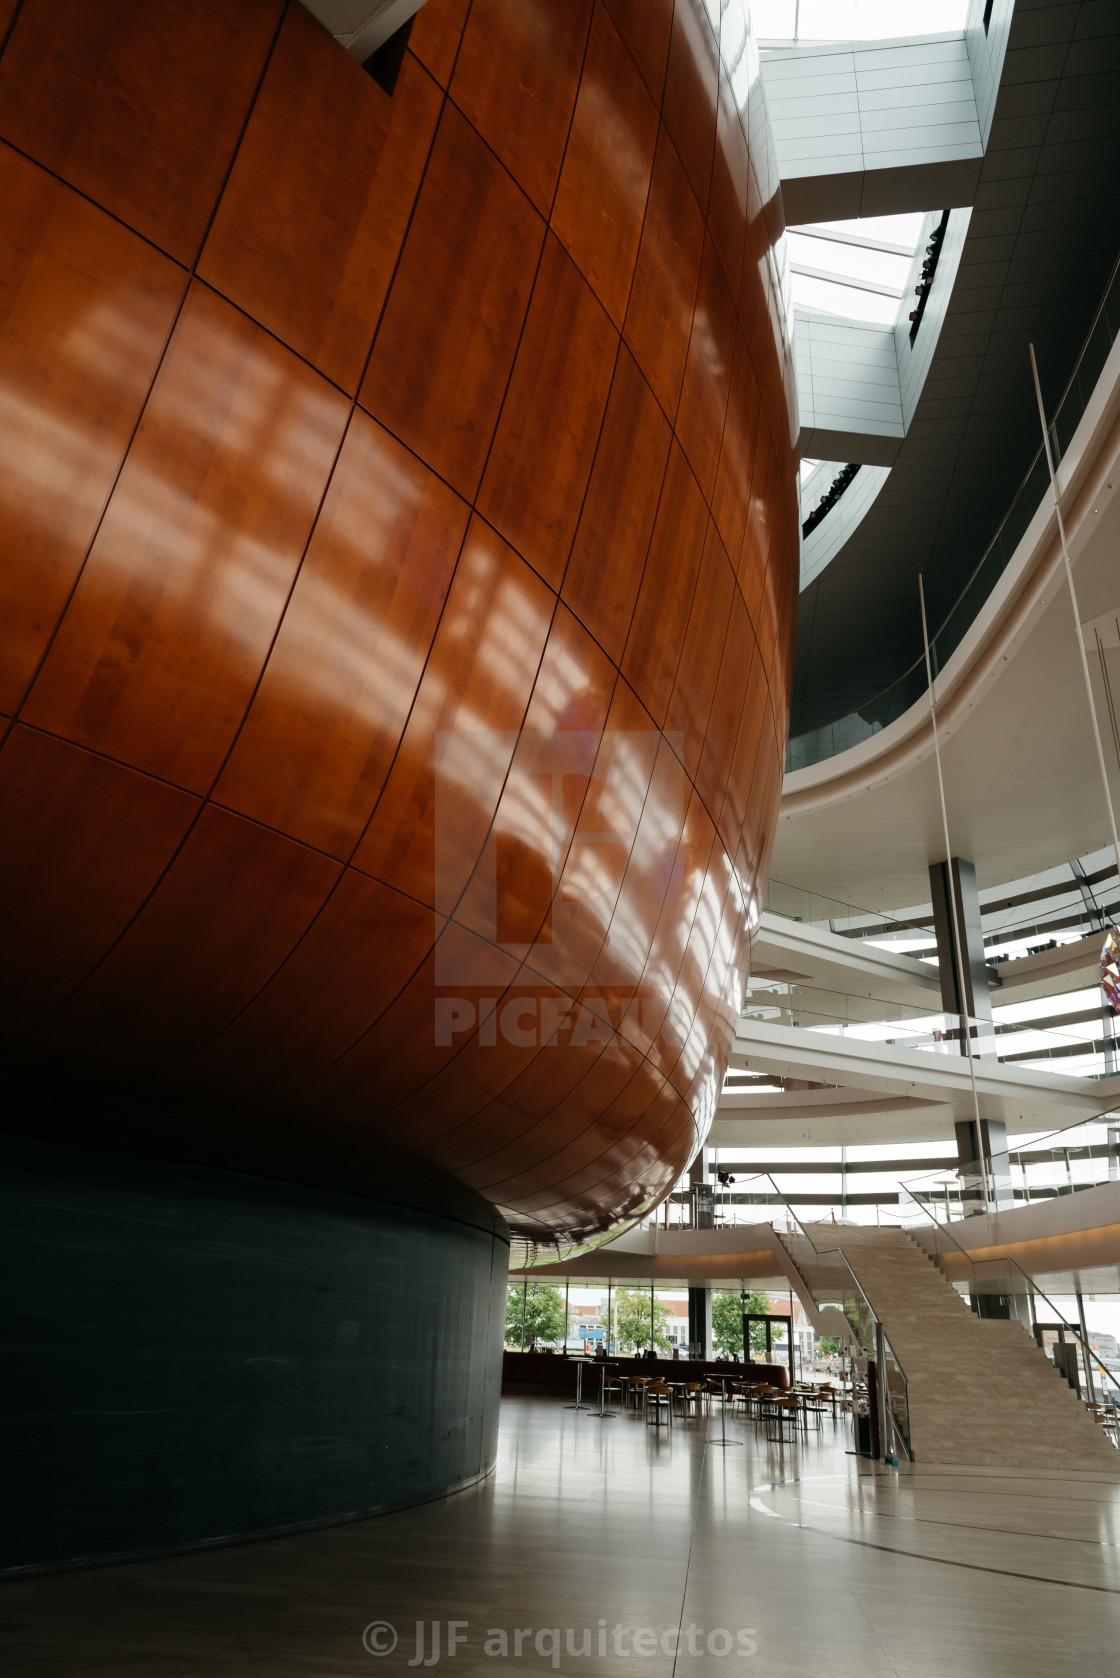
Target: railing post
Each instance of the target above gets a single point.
(1087, 1351)
(874, 1407)
(886, 1431)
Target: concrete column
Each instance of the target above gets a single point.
(990, 1140)
(702, 1204)
(700, 1320)
(976, 1002)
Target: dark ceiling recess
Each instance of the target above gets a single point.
(929, 269)
(384, 65)
(1040, 246)
(830, 497)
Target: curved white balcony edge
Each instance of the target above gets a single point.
(1003, 625)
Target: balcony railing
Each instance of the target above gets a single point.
(1082, 1044)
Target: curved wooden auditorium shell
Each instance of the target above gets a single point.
(399, 570)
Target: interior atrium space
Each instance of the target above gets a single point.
(559, 844)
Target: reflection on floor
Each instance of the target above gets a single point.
(655, 1552)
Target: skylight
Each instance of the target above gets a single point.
(857, 270)
(797, 22)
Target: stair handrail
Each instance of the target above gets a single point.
(775, 1198)
(880, 1347)
(964, 1260)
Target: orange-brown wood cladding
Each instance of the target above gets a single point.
(352, 647)
(619, 509)
(691, 94)
(435, 36)
(163, 642)
(312, 221)
(602, 191)
(397, 579)
(516, 81)
(663, 296)
(453, 320)
(72, 397)
(83, 843)
(645, 26)
(553, 411)
(138, 106)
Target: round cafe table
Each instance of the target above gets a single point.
(579, 1404)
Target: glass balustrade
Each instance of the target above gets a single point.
(1083, 1156)
(1081, 1046)
(827, 914)
(898, 1392)
(861, 1185)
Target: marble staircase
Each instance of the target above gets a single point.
(981, 1393)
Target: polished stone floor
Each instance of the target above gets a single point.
(654, 1551)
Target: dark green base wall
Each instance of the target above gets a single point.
(197, 1356)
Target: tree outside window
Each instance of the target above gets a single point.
(727, 1322)
(543, 1308)
(631, 1314)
